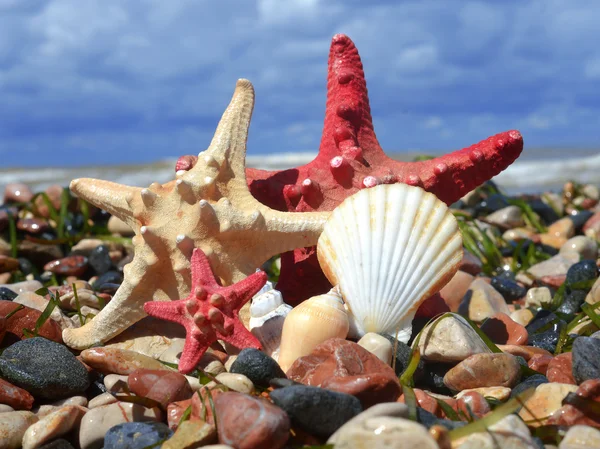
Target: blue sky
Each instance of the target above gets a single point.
(112, 81)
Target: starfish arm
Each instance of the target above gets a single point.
(229, 141)
(193, 349)
(284, 231)
(109, 196)
(241, 337)
(244, 290)
(453, 175)
(202, 273)
(123, 310)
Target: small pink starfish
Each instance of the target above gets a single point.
(210, 312)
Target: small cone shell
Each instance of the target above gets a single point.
(312, 322)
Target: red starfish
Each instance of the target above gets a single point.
(210, 312)
(350, 158)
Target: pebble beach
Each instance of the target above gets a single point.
(507, 354)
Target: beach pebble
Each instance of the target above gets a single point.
(583, 271)
(385, 432)
(539, 363)
(522, 316)
(569, 415)
(234, 381)
(509, 432)
(523, 351)
(40, 303)
(529, 382)
(501, 329)
(249, 422)
(33, 225)
(454, 291)
(586, 359)
(14, 396)
(162, 386)
(60, 443)
(450, 339)
(377, 345)
(107, 282)
(499, 393)
(6, 294)
(25, 286)
(192, 434)
(586, 247)
(424, 400)
(572, 302)
(469, 263)
(509, 289)
(8, 264)
(346, 367)
(484, 370)
(68, 266)
(507, 217)
(387, 409)
(482, 301)
(518, 234)
(119, 361)
(318, 411)
(116, 383)
(581, 437)
(591, 228)
(560, 369)
(99, 259)
(101, 399)
(118, 226)
(13, 426)
(564, 227)
(136, 435)
(26, 319)
(46, 409)
(96, 422)
(538, 297)
(401, 357)
(17, 192)
(546, 399)
(555, 266)
(257, 366)
(472, 403)
(53, 425)
(44, 368)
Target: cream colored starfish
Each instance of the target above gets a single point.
(209, 207)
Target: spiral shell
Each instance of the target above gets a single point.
(310, 323)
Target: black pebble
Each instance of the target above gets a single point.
(61, 443)
(282, 383)
(530, 382)
(508, 288)
(545, 212)
(586, 359)
(44, 368)
(546, 340)
(428, 419)
(26, 266)
(433, 377)
(99, 259)
(318, 411)
(572, 302)
(6, 294)
(257, 366)
(586, 270)
(403, 353)
(579, 217)
(110, 277)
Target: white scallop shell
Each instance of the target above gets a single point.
(389, 248)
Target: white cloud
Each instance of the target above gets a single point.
(109, 78)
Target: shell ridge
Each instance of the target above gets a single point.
(378, 250)
(399, 285)
(398, 240)
(364, 230)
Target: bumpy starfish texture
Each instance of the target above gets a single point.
(210, 312)
(350, 158)
(208, 207)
